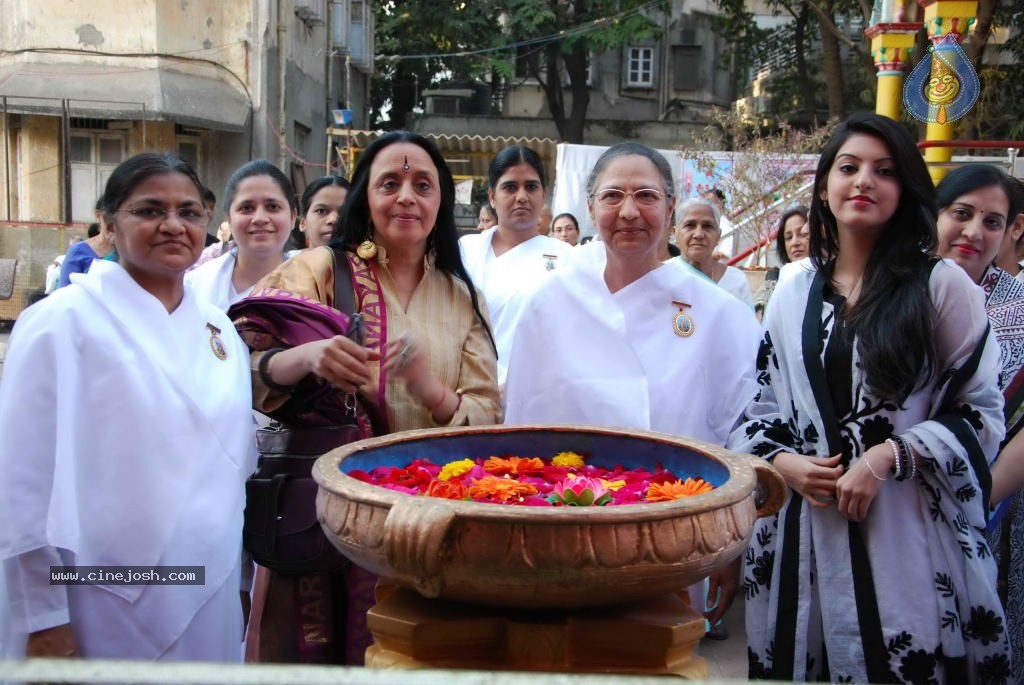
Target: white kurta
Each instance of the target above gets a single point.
(585, 355)
(211, 282)
(506, 281)
(126, 442)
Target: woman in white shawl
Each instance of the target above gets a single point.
(127, 439)
(631, 341)
(878, 404)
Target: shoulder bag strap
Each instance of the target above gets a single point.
(345, 301)
(344, 292)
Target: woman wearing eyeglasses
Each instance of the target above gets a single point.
(697, 234)
(632, 341)
(261, 213)
(127, 439)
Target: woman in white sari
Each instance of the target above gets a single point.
(878, 404)
(631, 341)
(127, 439)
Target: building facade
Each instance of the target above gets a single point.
(658, 91)
(85, 85)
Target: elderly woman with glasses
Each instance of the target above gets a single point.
(697, 234)
(629, 340)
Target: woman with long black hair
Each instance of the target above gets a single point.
(878, 404)
(427, 357)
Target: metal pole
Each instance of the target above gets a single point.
(330, 83)
(7, 158)
(66, 160)
(282, 70)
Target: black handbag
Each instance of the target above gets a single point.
(281, 530)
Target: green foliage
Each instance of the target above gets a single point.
(558, 37)
(1011, 84)
(426, 27)
(748, 45)
(551, 32)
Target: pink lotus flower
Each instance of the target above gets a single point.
(581, 492)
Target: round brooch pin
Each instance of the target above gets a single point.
(682, 323)
(216, 344)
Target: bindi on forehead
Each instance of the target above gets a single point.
(402, 163)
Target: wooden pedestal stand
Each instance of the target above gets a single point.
(654, 637)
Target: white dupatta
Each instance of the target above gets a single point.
(127, 441)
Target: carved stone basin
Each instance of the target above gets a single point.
(543, 557)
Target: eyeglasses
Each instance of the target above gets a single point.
(192, 216)
(613, 197)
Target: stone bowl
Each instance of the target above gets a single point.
(543, 557)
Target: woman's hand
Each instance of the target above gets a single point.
(857, 489)
(814, 478)
(406, 359)
(337, 360)
(58, 641)
(722, 587)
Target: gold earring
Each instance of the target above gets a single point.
(367, 249)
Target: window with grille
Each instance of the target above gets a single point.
(640, 67)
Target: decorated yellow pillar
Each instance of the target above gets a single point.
(944, 18)
(891, 45)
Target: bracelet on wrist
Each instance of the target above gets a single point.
(871, 468)
(907, 453)
(264, 372)
(897, 464)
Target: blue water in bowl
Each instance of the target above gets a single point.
(601, 449)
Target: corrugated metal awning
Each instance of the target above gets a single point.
(467, 155)
(120, 92)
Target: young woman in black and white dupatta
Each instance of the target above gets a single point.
(878, 403)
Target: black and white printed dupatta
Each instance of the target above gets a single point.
(909, 594)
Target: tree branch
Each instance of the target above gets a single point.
(830, 25)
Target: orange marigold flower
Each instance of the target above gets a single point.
(501, 489)
(447, 489)
(666, 492)
(513, 466)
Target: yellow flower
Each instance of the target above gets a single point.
(613, 484)
(454, 469)
(569, 460)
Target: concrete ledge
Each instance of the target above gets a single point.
(86, 671)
